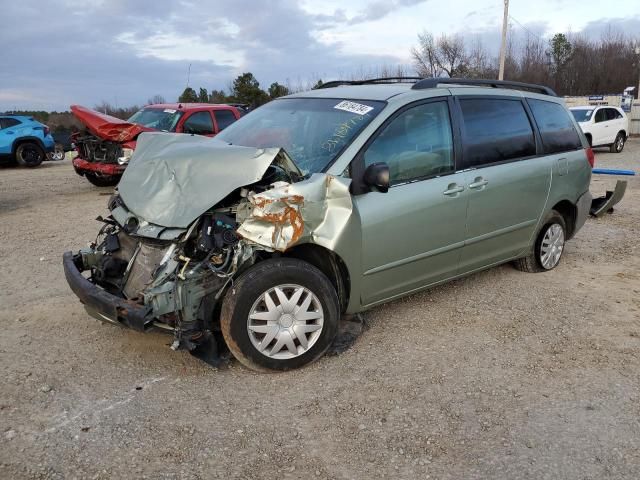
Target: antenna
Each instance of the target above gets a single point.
(188, 75)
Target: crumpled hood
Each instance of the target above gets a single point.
(172, 178)
(107, 127)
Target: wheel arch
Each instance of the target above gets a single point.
(569, 212)
(329, 263)
(30, 139)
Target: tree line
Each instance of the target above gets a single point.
(245, 90)
(570, 64)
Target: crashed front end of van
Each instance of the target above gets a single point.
(190, 214)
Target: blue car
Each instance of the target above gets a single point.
(24, 140)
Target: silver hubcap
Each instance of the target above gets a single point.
(619, 143)
(285, 321)
(552, 246)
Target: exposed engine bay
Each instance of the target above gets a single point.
(95, 149)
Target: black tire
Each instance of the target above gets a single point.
(29, 154)
(533, 263)
(100, 181)
(618, 143)
(249, 288)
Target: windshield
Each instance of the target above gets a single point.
(582, 114)
(164, 119)
(313, 131)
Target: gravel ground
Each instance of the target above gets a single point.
(501, 375)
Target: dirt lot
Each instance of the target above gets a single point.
(500, 375)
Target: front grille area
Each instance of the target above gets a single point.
(94, 149)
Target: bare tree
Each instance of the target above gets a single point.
(480, 64)
(451, 55)
(425, 56)
(156, 99)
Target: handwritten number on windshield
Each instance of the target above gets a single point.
(341, 132)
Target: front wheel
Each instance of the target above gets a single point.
(548, 247)
(279, 315)
(103, 181)
(29, 154)
(618, 144)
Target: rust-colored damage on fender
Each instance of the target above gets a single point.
(314, 210)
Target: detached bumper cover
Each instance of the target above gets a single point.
(103, 305)
(583, 206)
(81, 165)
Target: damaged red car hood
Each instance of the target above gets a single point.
(107, 127)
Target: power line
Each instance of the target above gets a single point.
(526, 29)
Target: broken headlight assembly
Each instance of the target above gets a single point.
(126, 156)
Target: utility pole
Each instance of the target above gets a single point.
(503, 45)
(637, 50)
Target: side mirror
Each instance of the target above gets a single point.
(377, 176)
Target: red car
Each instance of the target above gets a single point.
(107, 144)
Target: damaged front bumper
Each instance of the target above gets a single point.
(83, 166)
(101, 304)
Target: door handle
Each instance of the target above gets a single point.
(453, 189)
(479, 183)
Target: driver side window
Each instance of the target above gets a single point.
(417, 144)
(601, 115)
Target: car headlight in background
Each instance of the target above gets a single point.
(126, 155)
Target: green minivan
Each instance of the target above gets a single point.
(327, 203)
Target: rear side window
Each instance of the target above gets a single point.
(199, 123)
(224, 118)
(495, 130)
(8, 122)
(556, 128)
(613, 114)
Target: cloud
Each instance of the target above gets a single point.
(60, 52)
(628, 26)
(380, 9)
(126, 52)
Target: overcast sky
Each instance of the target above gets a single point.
(57, 53)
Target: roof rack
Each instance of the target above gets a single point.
(530, 87)
(371, 81)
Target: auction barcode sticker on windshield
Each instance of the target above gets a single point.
(353, 107)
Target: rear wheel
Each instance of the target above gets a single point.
(29, 154)
(103, 181)
(548, 247)
(279, 315)
(618, 144)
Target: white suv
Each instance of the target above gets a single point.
(603, 126)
